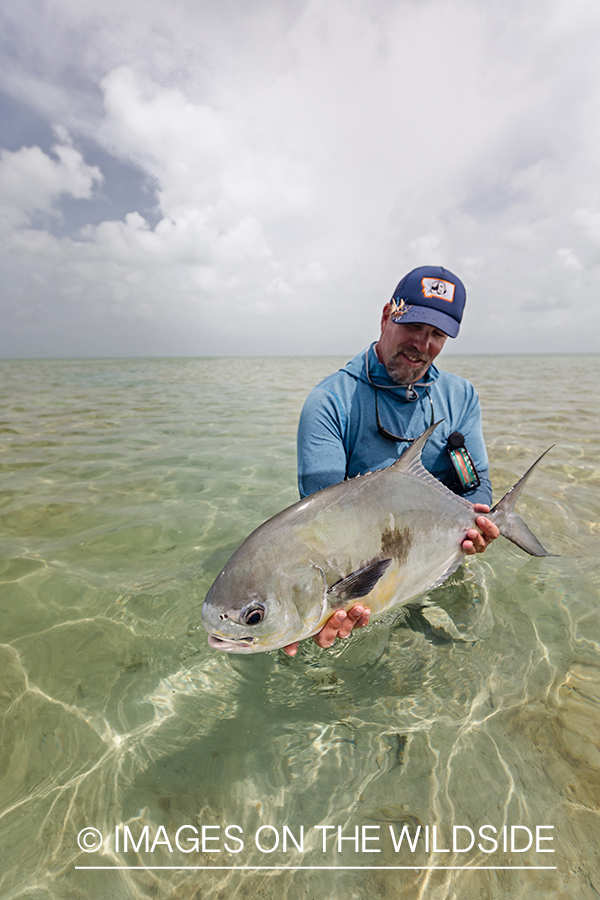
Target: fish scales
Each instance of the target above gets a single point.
(383, 538)
(345, 538)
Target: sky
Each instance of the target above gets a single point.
(253, 177)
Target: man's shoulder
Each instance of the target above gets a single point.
(334, 396)
(452, 383)
(456, 398)
(345, 379)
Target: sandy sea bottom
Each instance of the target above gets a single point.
(126, 485)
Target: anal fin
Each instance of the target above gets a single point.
(454, 565)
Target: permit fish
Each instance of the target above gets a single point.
(383, 538)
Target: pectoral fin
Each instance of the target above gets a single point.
(359, 583)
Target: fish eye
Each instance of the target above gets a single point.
(253, 614)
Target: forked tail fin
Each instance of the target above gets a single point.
(509, 523)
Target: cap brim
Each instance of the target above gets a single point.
(427, 316)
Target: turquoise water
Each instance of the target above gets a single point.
(126, 484)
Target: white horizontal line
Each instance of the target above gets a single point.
(293, 868)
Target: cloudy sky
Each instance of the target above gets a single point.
(200, 177)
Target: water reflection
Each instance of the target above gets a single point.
(122, 506)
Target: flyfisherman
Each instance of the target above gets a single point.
(365, 415)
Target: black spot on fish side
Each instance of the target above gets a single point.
(396, 542)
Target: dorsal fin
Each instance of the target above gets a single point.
(410, 461)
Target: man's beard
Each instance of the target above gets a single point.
(401, 372)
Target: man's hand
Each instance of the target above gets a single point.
(339, 625)
(475, 542)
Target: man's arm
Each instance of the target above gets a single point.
(321, 451)
(470, 425)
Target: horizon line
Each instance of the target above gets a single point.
(276, 356)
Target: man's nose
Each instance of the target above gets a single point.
(421, 341)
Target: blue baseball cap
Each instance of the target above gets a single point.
(430, 295)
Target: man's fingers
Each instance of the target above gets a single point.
(330, 629)
(352, 620)
(476, 542)
(360, 616)
(355, 613)
(341, 623)
(346, 627)
(489, 529)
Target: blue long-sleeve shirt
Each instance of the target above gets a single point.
(338, 436)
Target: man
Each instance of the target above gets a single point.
(364, 416)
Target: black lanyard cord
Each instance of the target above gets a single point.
(411, 396)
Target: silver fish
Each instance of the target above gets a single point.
(383, 538)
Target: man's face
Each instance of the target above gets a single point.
(407, 350)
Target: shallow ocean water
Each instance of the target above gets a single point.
(126, 485)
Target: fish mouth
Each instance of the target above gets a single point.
(230, 645)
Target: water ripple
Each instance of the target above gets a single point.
(127, 485)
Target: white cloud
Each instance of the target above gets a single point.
(305, 155)
(31, 181)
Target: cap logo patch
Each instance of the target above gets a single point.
(436, 287)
